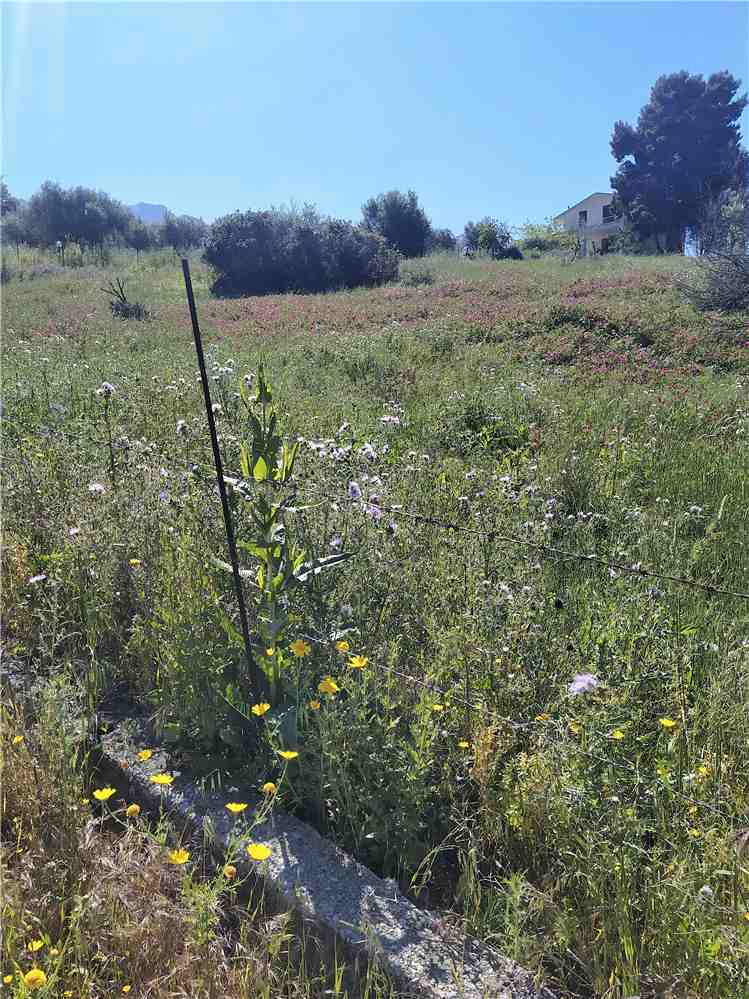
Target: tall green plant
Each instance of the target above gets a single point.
(267, 466)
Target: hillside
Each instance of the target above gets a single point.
(149, 213)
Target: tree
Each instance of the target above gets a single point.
(442, 239)
(49, 216)
(684, 152)
(399, 219)
(182, 232)
(15, 230)
(140, 237)
(488, 236)
(8, 204)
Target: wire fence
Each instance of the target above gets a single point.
(537, 723)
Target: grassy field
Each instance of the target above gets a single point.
(551, 750)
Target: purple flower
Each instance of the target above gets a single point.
(106, 390)
(583, 683)
(354, 490)
(374, 512)
(335, 542)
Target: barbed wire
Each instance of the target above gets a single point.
(494, 535)
(543, 723)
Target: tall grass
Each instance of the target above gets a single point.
(584, 407)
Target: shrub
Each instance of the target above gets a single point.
(400, 219)
(720, 278)
(259, 253)
(512, 253)
(719, 281)
(121, 308)
(414, 277)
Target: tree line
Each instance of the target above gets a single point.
(90, 220)
(682, 172)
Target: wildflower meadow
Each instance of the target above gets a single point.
(491, 535)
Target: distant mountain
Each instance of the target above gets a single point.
(149, 213)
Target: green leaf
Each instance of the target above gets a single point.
(244, 461)
(260, 471)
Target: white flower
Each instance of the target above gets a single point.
(105, 390)
(38, 579)
(97, 488)
(182, 428)
(583, 683)
(368, 451)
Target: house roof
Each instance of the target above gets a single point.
(602, 194)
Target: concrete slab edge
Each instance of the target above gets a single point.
(306, 873)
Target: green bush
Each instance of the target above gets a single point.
(258, 253)
(416, 277)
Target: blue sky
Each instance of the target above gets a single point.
(500, 109)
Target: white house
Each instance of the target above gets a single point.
(594, 222)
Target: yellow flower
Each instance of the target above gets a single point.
(358, 662)
(260, 709)
(235, 807)
(34, 979)
(7, 979)
(135, 562)
(258, 852)
(617, 734)
(343, 645)
(746, 916)
(300, 648)
(132, 810)
(438, 708)
(36, 945)
(161, 779)
(314, 705)
(54, 952)
(328, 686)
(464, 744)
(145, 754)
(230, 872)
(575, 727)
(104, 793)
(703, 770)
(288, 754)
(269, 787)
(178, 856)
(270, 652)
(17, 739)
(126, 988)
(85, 801)
(68, 993)
(545, 716)
(694, 833)
(667, 723)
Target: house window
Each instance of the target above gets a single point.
(605, 243)
(582, 218)
(608, 213)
